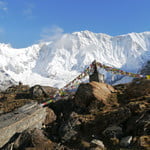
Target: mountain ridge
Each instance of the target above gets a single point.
(57, 62)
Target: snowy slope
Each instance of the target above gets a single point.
(56, 62)
(5, 81)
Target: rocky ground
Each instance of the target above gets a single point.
(97, 117)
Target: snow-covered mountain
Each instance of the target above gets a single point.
(57, 62)
(5, 80)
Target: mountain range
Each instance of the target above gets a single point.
(57, 62)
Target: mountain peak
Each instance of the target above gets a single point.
(56, 63)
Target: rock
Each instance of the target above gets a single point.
(17, 88)
(38, 138)
(1, 112)
(99, 143)
(143, 124)
(20, 120)
(139, 124)
(144, 142)
(14, 97)
(41, 91)
(85, 144)
(114, 141)
(126, 141)
(23, 140)
(69, 129)
(138, 106)
(32, 138)
(91, 92)
(96, 148)
(78, 127)
(137, 88)
(113, 117)
(101, 90)
(113, 132)
(50, 117)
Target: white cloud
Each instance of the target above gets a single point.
(3, 6)
(51, 33)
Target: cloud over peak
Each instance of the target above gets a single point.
(51, 33)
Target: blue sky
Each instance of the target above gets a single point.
(26, 22)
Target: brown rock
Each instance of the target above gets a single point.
(144, 142)
(33, 138)
(42, 91)
(38, 137)
(138, 88)
(138, 106)
(139, 124)
(101, 90)
(112, 117)
(85, 144)
(99, 143)
(50, 117)
(91, 92)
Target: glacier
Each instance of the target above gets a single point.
(57, 62)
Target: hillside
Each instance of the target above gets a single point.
(97, 117)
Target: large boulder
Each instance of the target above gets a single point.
(50, 117)
(68, 130)
(39, 91)
(28, 116)
(87, 93)
(30, 139)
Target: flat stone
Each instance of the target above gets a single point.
(19, 120)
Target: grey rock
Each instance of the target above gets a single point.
(113, 132)
(18, 121)
(126, 141)
(99, 143)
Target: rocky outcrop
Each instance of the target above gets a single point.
(38, 91)
(50, 116)
(29, 116)
(137, 88)
(99, 117)
(33, 139)
(93, 92)
(5, 80)
(18, 95)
